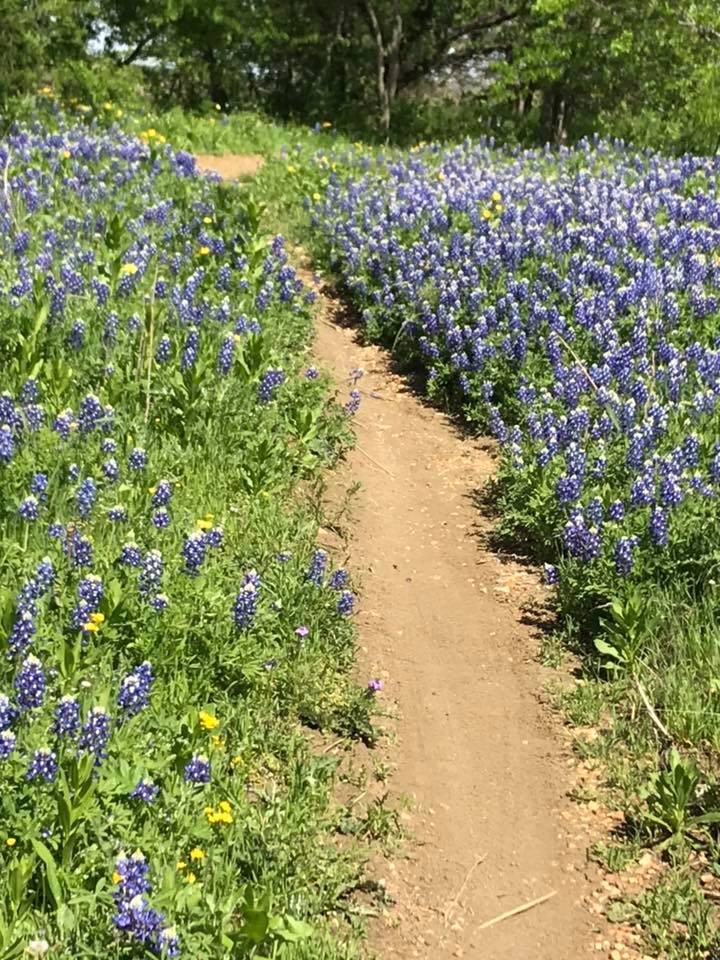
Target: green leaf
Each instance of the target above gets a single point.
(51, 874)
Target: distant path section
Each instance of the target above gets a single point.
(230, 166)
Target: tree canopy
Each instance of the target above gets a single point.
(526, 70)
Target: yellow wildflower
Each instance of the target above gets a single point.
(203, 524)
(152, 490)
(66, 154)
(499, 208)
(203, 251)
(316, 197)
(181, 864)
(207, 219)
(129, 269)
(118, 113)
(218, 107)
(209, 516)
(236, 760)
(90, 627)
(10, 842)
(116, 878)
(224, 805)
(97, 618)
(190, 877)
(217, 741)
(487, 214)
(207, 720)
(150, 133)
(441, 175)
(327, 124)
(108, 105)
(495, 197)
(197, 854)
(290, 168)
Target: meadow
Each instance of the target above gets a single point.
(171, 622)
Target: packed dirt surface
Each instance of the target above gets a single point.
(487, 776)
(481, 759)
(230, 166)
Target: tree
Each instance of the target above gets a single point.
(38, 35)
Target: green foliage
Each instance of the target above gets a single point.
(244, 865)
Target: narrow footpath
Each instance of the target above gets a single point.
(476, 752)
(479, 756)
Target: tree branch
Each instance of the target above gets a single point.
(138, 48)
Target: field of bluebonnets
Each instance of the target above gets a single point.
(569, 301)
(169, 620)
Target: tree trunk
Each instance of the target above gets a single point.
(387, 63)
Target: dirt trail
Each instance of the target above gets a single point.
(475, 749)
(230, 166)
(476, 752)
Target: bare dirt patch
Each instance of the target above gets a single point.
(230, 166)
(480, 758)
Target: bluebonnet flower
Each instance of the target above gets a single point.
(159, 602)
(43, 765)
(353, 404)
(316, 571)
(7, 743)
(616, 510)
(111, 469)
(312, 373)
(73, 472)
(29, 509)
(39, 484)
(214, 537)
(269, 382)
(56, 531)
(162, 494)
(163, 350)
(95, 734)
(246, 601)
(66, 721)
(193, 552)
(550, 574)
(226, 355)
(151, 572)
(135, 690)
(86, 496)
(108, 445)
(190, 350)
(161, 519)
(7, 444)
(8, 712)
(76, 337)
(91, 413)
(130, 555)
(133, 876)
(117, 514)
(30, 684)
(137, 459)
(146, 790)
(338, 579)
(658, 527)
(30, 391)
(198, 769)
(345, 604)
(624, 558)
(283, 557)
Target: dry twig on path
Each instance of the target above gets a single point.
(516, 910)
(456, 899)
(373, 460)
